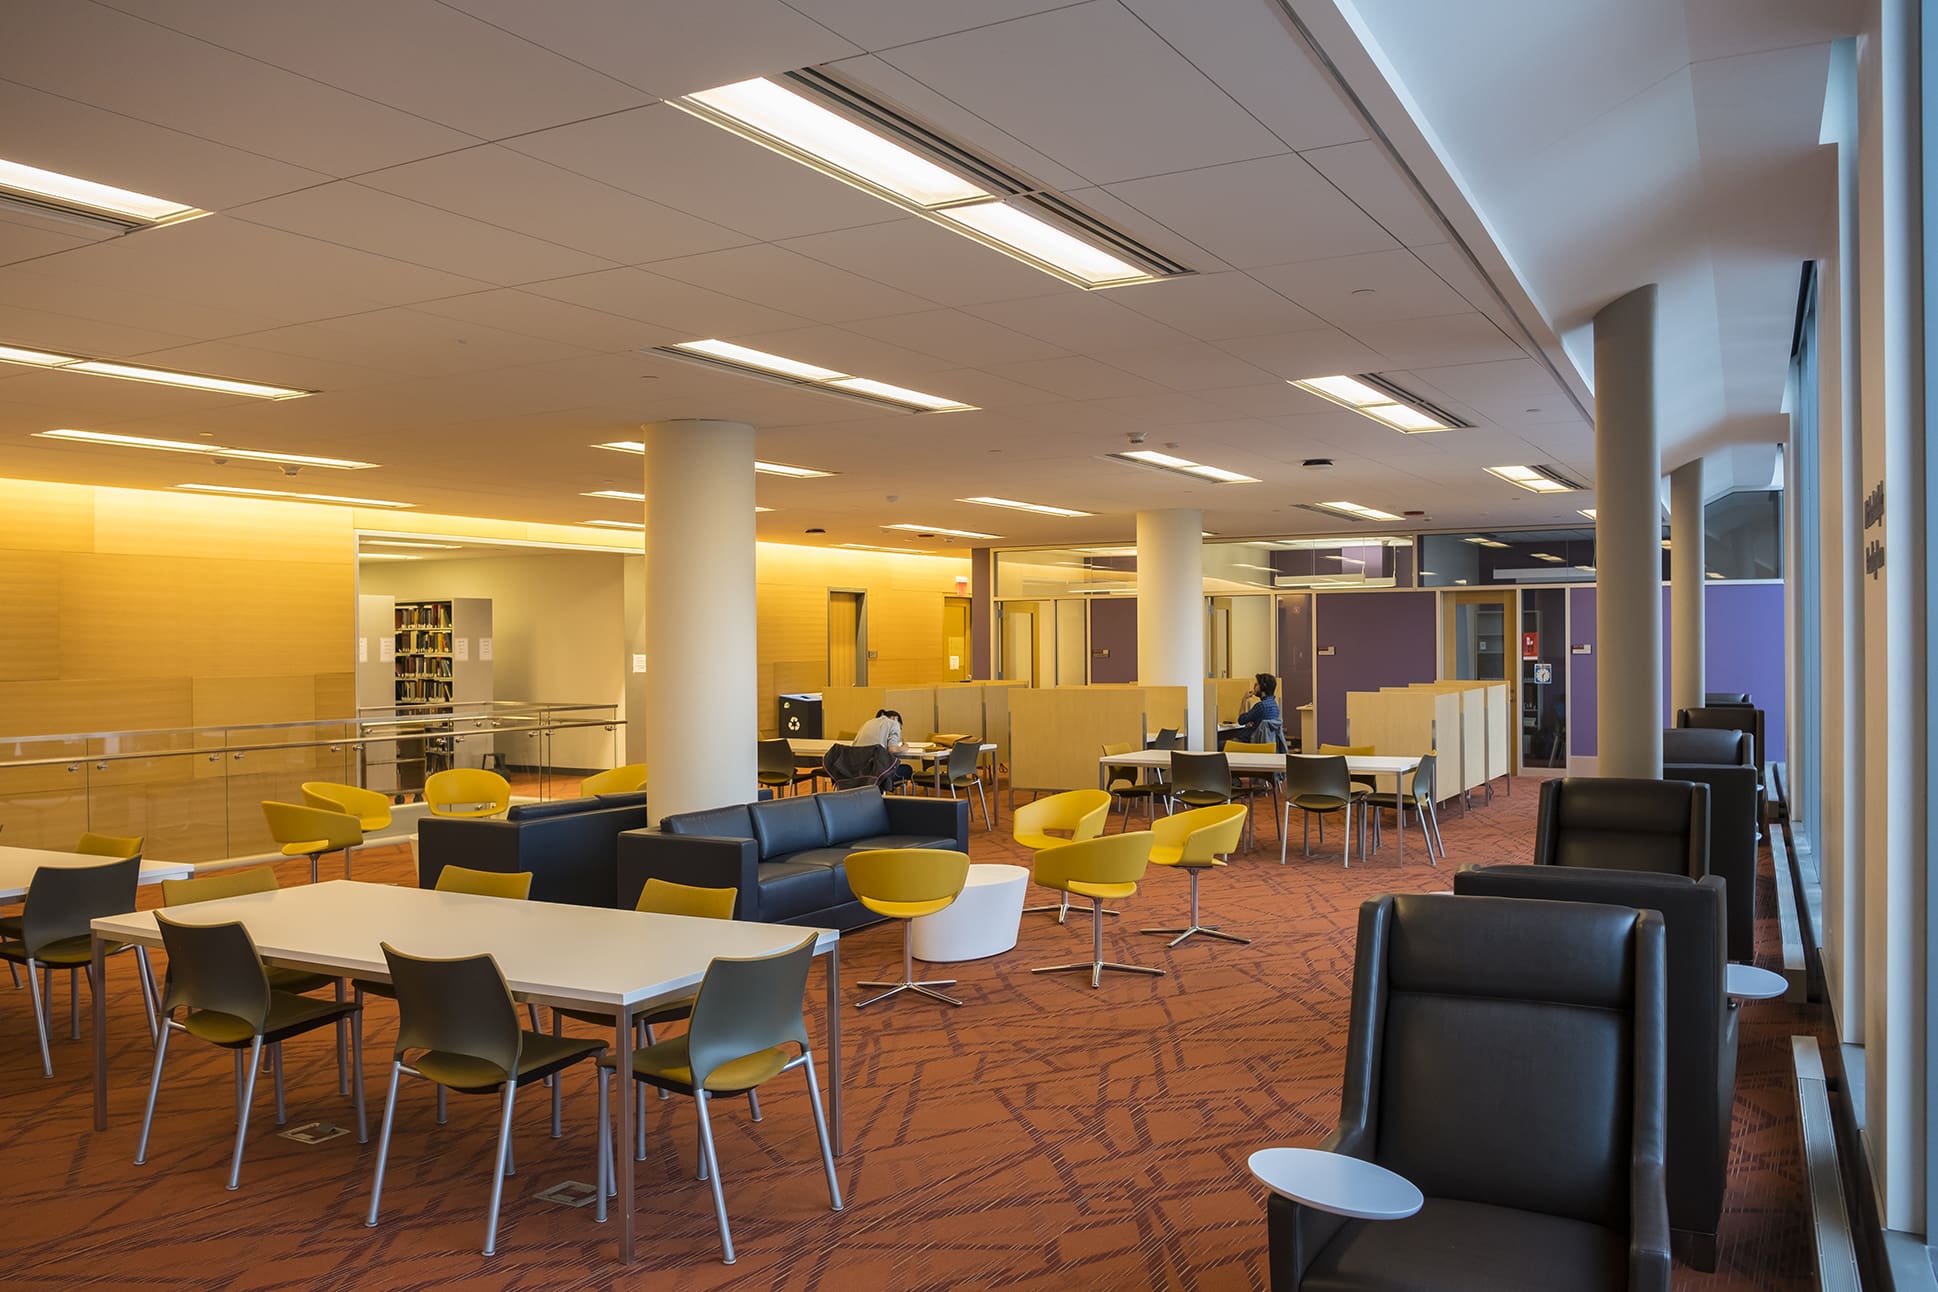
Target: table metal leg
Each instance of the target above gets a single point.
(97, 976)
(834, 1045)
(1399, 816)
(623, 1050)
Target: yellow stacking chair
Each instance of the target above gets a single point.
(1082, 814)
(1194, 842)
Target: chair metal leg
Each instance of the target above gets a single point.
(498, 1174)
(557, 1129)
(1194, 873)
(314, 858)
(1345, 838)
(712, 1163)
(753, 1104)
(908, 982)
(154, 1087)
(1433, 817)
(37, 989)
(276, 1066)
(988, 822)
(1097, 964)
(145, 975)
(443, 1112)
(383, 1143)
(242, 1113)
(821, 1128)
(74, 1004)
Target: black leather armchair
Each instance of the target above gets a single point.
(569, 845)
(1701, 1023)
(1722, 760)
(1507, 1057)
(1612, 823)
(1734, 717)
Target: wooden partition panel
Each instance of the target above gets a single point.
(1412, 720)
(1057, 733)
(1485, 718)
(845, 708)
(916, 704)
(1164, 706)
(1225, 700)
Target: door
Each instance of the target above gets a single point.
(1476, 637)
(1218, 639)
(955, 638)
(1019, 646)
(847, 638)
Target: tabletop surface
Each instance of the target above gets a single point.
(548, 949)
(1345, 1186)
(995, 872)
(17, 867)
(1747, 982)
(915, 749)
(1368, 764)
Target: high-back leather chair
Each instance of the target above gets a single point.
(1701, 1023)
(1722, 760)
(1537, 1174)
(1734, 717)
(1613, 823)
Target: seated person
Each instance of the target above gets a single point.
(885, 729)
(1265, 708)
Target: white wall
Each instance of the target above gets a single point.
(559, 628)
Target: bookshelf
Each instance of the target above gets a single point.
(422, 659)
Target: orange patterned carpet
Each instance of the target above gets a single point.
(1044, 1136)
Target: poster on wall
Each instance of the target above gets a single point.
(1531, 645)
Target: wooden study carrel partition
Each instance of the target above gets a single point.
(1464, 723)
(1057, 733)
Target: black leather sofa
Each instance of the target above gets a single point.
(569, 845)
(1724, 761)
(785, 856)
(1616, 823)
(1507, 1057)
(1700, 1016)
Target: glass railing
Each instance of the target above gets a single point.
(196, 793)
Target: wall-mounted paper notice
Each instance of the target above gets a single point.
(386, 650)
(955, 663)
(464, 648)
(639, 663)
(363, 650)
(484, 648)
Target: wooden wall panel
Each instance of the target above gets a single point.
(142, 522)
(87, 704)
(30, 616)
(35, 516)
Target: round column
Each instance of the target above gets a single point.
(702, 704)
(1628, 539)
(1171, 609)
(1688, 576)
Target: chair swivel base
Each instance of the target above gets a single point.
(1096, 969)
(1208, 931)
(1062, 911)
(920, 988)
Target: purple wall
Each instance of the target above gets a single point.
(1743, 651)
(1113, 627)
(1377, 639)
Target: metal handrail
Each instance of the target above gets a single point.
(529, 705)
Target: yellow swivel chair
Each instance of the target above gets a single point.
(369, 807)
(629, 779)
(310, 832)
(108, 845)
(1193, 842)
(1082, 813)
(903, 883)
(467, 791)
(1109, 866)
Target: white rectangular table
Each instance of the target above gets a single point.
(1396, 766)
(935, 756)
(581, 957)
(17, 867)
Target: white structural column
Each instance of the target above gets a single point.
(1171, 609)
(1688, 619)
(1628, 538)
(702, 700)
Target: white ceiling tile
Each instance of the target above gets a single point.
(1080, 321)
(1509, 379)
(24, 236)
(1092, 87)
(662, 153)
(423, 57)
(1077, 377)
(351, 215)
(683, 311)
(919, 257)
(1275, 399)
(70, 334)
(1317, 352)
(957, 337)
(1364, 173)
(1456, 338)
(793, 282)
(1375, 288)
(1212, 307)
(670, 49)
(1186, 365)
(408, 343)
(526, 314)
(871, 24)
(275, 357)
(120, 63)
(986, 390)
(1259, 58)
(1261, 212)
(518, 192)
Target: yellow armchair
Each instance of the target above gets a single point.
(1100, 868)
(1194, 842)
(467, 792)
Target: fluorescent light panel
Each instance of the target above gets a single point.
(1479, 541)
(136, 372)
(1358, 511)
(943, 530)
(387, 556)
(399, 542)
(1588, 512)
(763, 468)
(1530, 479)
(1040, 509)
(618, 495)
(1384, 406)
(615, 524)
(1183, 466)
(70, 191)
(1546, 556)
(793, 124)
(807, 374)
(289, 496)
(204, 448)
(872, 547)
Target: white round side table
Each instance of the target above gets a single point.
(983, 921)
(1747, 982)
(1345, 1186)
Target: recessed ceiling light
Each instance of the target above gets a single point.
(739, 358)
(398, 542)
(943, 530)
(1355, 511)
(203, 448)
(811, 117)
(1545, 556)
(68, 192)
(763, 468)
(904, 551)
(758, 509)
(1588, 512)
(1183, 466)
(1041, 509)
(618, 495)
(1480, 541)
(294, 497)
(135, 372)
(1666, 547)
(616, 524)
(1714, 574)
(1586, 569)
(387, 556)
(1536, 479)
(1371, 395)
